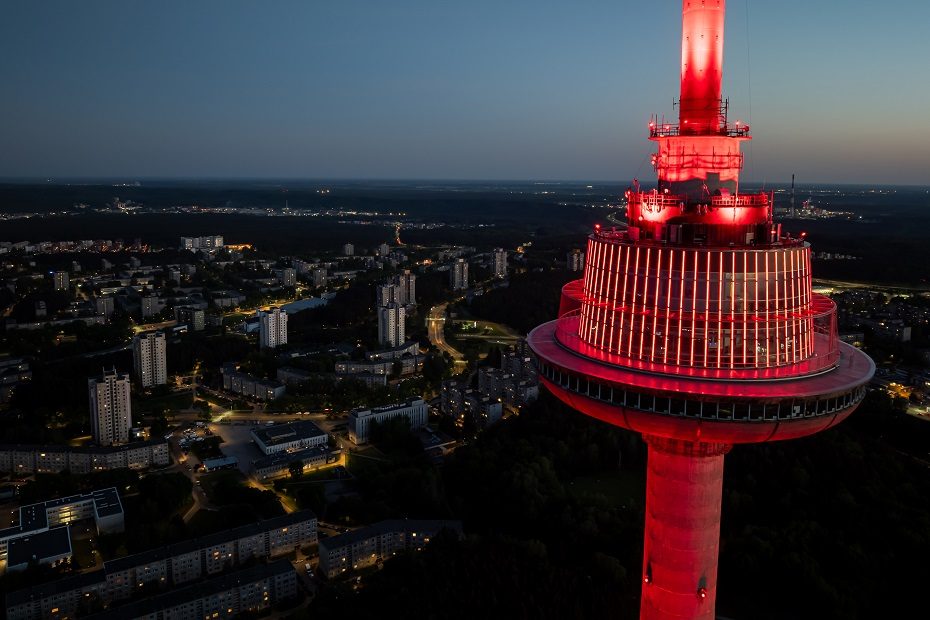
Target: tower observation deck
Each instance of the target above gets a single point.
(696, 325)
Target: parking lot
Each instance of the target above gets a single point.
(237, 442)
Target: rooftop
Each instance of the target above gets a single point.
(220, 462)
(89, 579)
(81, 449)
(282, 458)
(287, 432)
(178, 596)
(366, 411)
(389, 527)
(53, 543)
(107, 503)
(84, 581)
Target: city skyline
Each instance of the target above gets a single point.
(432, 308)
(426, 91)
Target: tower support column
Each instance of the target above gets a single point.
(684, 485)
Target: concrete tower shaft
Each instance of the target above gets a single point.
(684, 489)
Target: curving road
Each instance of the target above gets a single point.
(435, 323)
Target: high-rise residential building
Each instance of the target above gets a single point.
(391, 328)
(149, 359)
(385, 294)
(319, 276)
(575, 260)
(500, 262)
(406, 284)
(110, 407)
(210, 242)
(458, 275)
(151, 305)
(289, 277)
(194, 318)
(61, 280)
(272, 329)
(384, 249)
(348, 250)
(697, 326)
(105, 305)
(174, 275)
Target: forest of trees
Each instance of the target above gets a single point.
(824, 527)
(531, 299)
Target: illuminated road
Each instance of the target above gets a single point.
(841, 284)
(148, 327)
(435, 323)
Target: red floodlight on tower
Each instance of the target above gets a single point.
(697, 326)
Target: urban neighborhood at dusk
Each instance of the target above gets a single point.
(429, 310)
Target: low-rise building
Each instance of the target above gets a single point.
(279, 463)
(223, 462)
(288, 437)
(165, 568)
(51, 547)
(247, 385)
(369, 545)
(369, 379)
(408, 365)
(410, 348)
(13, 373)
(103, 506)
(39, 459)
(360, 420)
(249, 591)
(293, 376)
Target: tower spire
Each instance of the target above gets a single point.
(702, 24)
(697, 327)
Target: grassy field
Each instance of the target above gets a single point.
(156, 404)
(483, 329)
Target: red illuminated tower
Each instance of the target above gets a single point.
(696, 326)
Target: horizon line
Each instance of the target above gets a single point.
(108, 180)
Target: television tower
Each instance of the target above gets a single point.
(697, 326)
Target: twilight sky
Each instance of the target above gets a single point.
(452, 89)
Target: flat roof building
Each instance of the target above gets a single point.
(360, 420)
(279, 463)
(46, 459)
(48, 547)
(201, 560)
(103, 506)
(249, 591)
(288, 437)
(369, 545)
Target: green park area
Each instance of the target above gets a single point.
(483, 330)
(162, 403)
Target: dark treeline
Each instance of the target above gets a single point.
(531, 299)
(833, 526)
(537, 547)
